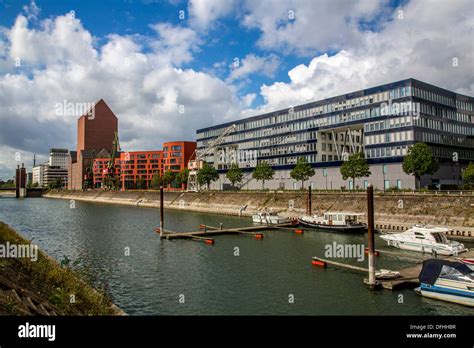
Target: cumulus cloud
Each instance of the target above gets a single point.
(306, 26)
(251, 64)
(411, 44)
(204, 13)
(139, 78)
(32, 11)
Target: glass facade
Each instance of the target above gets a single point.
(382, 122)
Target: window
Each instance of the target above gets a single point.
(176, 148)
(386, 184)
(399, 184)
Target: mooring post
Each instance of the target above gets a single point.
(162, 214)
(310, 201)
(370, 234)
(220, 226)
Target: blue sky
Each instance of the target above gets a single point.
(148, 64)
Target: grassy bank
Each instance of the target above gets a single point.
(43, 287)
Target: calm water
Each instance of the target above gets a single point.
(211, 278)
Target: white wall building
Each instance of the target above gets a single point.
(58, 158)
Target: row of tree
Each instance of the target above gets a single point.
(419, 161)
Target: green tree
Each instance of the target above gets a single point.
(356, 166)
(168, 178)
(182, 177)
(302, 171)
(234, 174)
(468, 174)
(155, 180)
(263, 172)
(206, 175)
(141, 184)
(420, 161)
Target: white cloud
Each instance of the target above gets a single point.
(138, 77)
(308, 26)
(204, 13)
(415, 46)
(32, 11)
(251, 64)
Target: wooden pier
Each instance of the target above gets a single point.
(408, 276)
(208, 231)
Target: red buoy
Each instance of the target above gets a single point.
(299, 231)
(318, 263)
(258, 235)
(209, 241)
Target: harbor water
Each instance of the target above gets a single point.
(238, 275)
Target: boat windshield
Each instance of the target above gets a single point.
(440, 237)
(451, 273)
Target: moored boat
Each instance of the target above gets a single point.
(269, 218)
(447, 281)
(425, 239)
(335, 221)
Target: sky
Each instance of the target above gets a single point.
(167, 68)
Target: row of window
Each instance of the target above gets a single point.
(294, 115)
(431, 137)
(389, 151)
(389, 137)
(449, 153)
(456, 128)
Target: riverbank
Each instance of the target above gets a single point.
(400, 208)
(38, 285)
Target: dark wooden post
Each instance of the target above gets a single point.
(310, 201)
(370, 234)
(162, 214)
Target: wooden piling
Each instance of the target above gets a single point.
(370, 235)
(162, 214)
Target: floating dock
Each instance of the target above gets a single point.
(208, 231)
(408, 275)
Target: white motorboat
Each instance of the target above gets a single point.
(269, 218)
(425, 239)
(447, 281)
(335, 221)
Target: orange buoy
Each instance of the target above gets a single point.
(319, 263)
(299, 231)
(209, 241)
(258, 235)
(376, 253)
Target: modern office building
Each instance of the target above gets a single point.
(38, 173)
(52, 174)
(58, 158)
(382, 122)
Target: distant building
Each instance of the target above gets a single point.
(138, 168)
(52, 174)
(135, 169)
(58, 158)
(38, 174)
(93, 135)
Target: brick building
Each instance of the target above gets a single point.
(94, 133)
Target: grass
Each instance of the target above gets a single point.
(59, 285)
